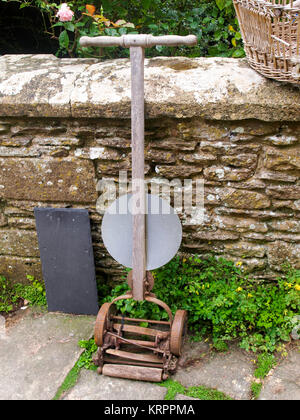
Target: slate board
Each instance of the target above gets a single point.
(66, 252)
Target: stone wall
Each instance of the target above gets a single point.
(65, 125)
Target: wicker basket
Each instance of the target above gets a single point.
(271, 35)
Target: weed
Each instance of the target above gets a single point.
(199, 392)
(256, 389)
(203, 393)
(265, 362)
(84, 362)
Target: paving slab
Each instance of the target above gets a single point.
(181, 397)
(37, 353)
(91, 386)
(284, 381)
(230, 372)
(193, 352)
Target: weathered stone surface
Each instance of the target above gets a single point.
(279, 204)
(45, 85)
(3, 220)
(230, 372)
(282, 159)
(273, 236)
(240, 224)
(284, 192)
(249, 184)
(214, 236)
(15, 141)
(225, 148)
(117, 142)
(225, 173)
(286, 225)
(200, 158)
(22, 222)
(113, 167)
(256, 128)
(176, 171)
(256, 214)
(19, 243)
(160, 156)
(277, 176)
(37, 354)
(283, 140)
(47, 180)
(15, 269)
(174, 143)
(247, 160)
(284, 381)
(92, 386)
(39, 85)
(245, 250)
(280, 253)
(244, 199)
(248, 265)
(181, 397)
(56, 141)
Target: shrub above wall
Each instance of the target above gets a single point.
(65, 125)
(212, 21)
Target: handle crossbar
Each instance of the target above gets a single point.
(139, 40)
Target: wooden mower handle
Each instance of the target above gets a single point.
(139, 40)
(137, 45)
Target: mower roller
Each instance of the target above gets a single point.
(143, 237)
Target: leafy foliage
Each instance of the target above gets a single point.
(223, 302)
(6, 296)
(34, 292)
(10, 294)
(85, 360)
(212, 21)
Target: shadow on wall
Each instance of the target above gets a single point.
(22, 31)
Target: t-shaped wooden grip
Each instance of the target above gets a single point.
(140, 40)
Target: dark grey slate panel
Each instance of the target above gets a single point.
(67, 260)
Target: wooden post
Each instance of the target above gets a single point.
(137, 143)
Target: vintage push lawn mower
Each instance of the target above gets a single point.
(143, 232)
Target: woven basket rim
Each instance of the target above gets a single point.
(267, 3)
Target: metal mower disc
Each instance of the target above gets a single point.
(164, 231)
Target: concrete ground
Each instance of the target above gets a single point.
(39, 349)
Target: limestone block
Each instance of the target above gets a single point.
(282, 159)
(225, 173)
(244, 199)
(21, 243)
(47, 180)
(15, 269)
(280, 253)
